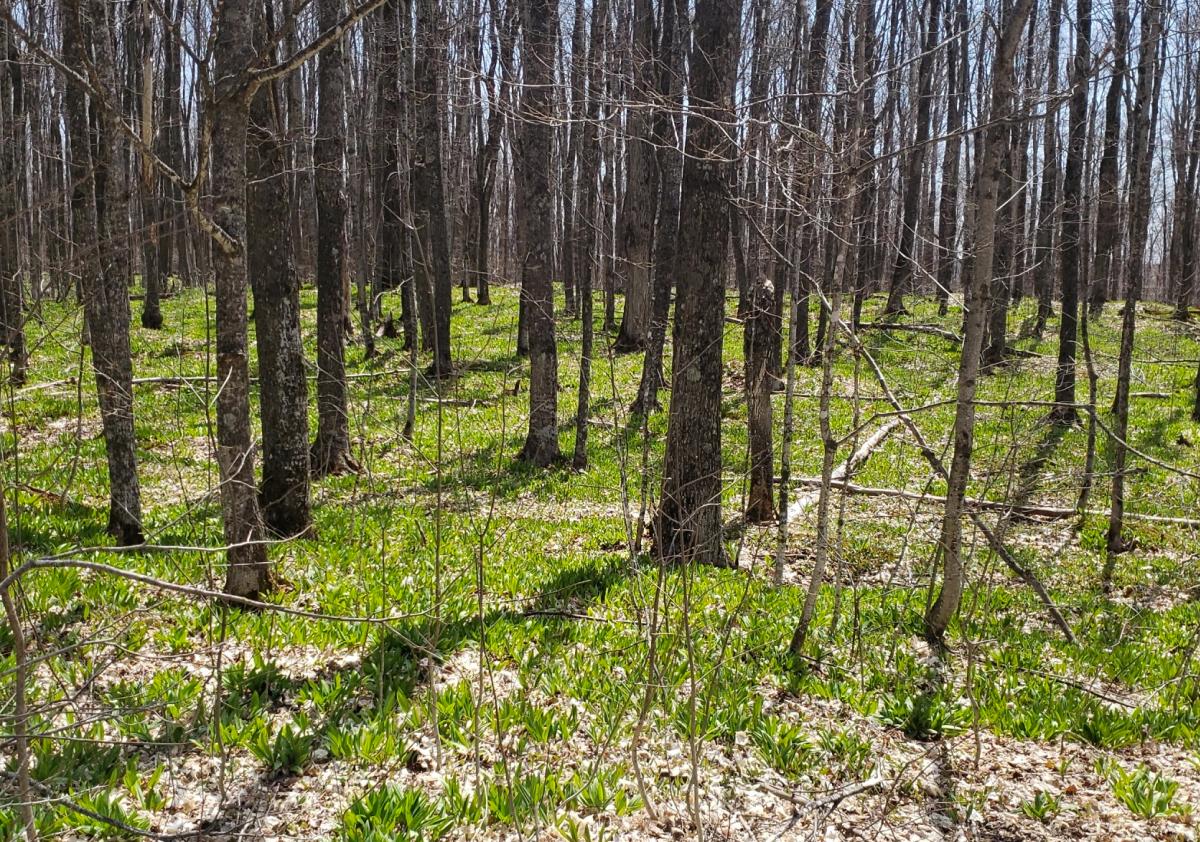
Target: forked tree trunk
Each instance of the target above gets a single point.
(689, 517)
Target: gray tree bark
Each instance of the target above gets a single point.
(536, 214)
(689, 518)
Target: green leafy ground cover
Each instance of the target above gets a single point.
(506, 693)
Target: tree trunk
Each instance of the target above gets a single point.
(587, 232)
(914, 166)
(760, 503)
(100, 182)
(12, 309)
(1141, 152)
(1072, 216)
(331, 448)
(996, 137)
(283, 386)
(636, 222)
(537, 234)
(1108, 214)
(689, 518)
(432, 238)
(248, 573)
(668, 127)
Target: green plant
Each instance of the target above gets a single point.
(924, 716)
(288, 750)
(1042, 807)
(783, 745)
(391, 814)
(111, 818)
(145, 792)
(846, 751)
(1146, 794)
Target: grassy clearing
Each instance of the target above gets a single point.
(506, 696)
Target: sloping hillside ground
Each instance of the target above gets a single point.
(526, 675)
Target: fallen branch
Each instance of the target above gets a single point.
(939, 467)
(932, 330)
(846, 470)
(975, 504)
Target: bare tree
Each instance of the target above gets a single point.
(99, 204)
(996, 137)
(540, 25)
(283, 386)
(689, 517)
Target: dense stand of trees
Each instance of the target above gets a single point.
(796, 157)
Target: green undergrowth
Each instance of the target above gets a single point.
(518, 610)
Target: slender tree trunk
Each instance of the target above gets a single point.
(902, 270)
(1141, 152)
(1048, 202)
(1108, 214)
(668, 127)
(635, 232)
(996, 137)
(12, 309)
(948, 221)
(432, 238)
(1072, 216)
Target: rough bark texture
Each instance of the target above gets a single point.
(636, 225)
(760, 504)
(937, 620)
(248, 573)
(536, 213)
(902, 270)
(948, 215)
(283, 386)
(102, 217)
(689, 518)
(433, 251)
(667, 128)
(1108, 215)
(1143, 118)
(1072, 216)
(331, 448)
(12, 311)
(1047, 203)
(588, 235)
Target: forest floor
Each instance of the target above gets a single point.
(506, 695)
